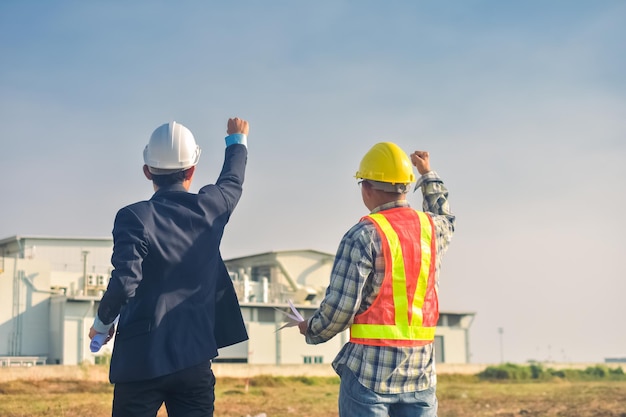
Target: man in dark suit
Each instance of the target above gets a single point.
(169, 286)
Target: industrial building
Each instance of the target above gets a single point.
(51, 288)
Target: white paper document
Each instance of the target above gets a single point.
(294, 316)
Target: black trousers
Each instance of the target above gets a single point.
(188, 393)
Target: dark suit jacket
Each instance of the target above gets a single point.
(176, 301)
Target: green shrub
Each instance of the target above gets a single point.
(535, 371)
(267, 381)
(596, 371)
(506, 371)
(560, 373)
(102, 359)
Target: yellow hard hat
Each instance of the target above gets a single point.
(386, 162)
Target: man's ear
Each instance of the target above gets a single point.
(189, 172)
(147, 173)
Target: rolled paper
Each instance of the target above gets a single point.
(99, 339)
(97, 342)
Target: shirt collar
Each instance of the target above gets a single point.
(390, 205)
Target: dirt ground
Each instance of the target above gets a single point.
(304, 397)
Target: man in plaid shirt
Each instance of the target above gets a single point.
(383, 375)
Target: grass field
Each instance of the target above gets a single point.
(459, 396)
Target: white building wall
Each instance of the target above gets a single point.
(71, 260)
(294, 348)
(67, 254)
(6, 317)
(79, 268)
(77, 322)
(262, 345)
(453, 343)
(24, 307)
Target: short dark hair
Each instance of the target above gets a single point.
(169, 179)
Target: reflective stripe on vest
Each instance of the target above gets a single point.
(402, 332)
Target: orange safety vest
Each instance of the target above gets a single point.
(406, 310)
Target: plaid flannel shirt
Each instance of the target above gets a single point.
(356, 278)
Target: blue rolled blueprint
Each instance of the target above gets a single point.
(97, 342)
(99, 339)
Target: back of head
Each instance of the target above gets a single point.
(387, 167)
(172, 148)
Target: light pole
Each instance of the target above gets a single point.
(85, 253)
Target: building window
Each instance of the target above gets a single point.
(265, 315)
(454, 320)
(313, 359)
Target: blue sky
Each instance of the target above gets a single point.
(521, 104)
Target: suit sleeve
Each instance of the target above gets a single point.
(129, 249)
(230, 181)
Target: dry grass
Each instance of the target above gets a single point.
(302, 397)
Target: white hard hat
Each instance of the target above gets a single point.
(171, 148)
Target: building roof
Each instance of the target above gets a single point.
(16, 238)
(280, 252)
